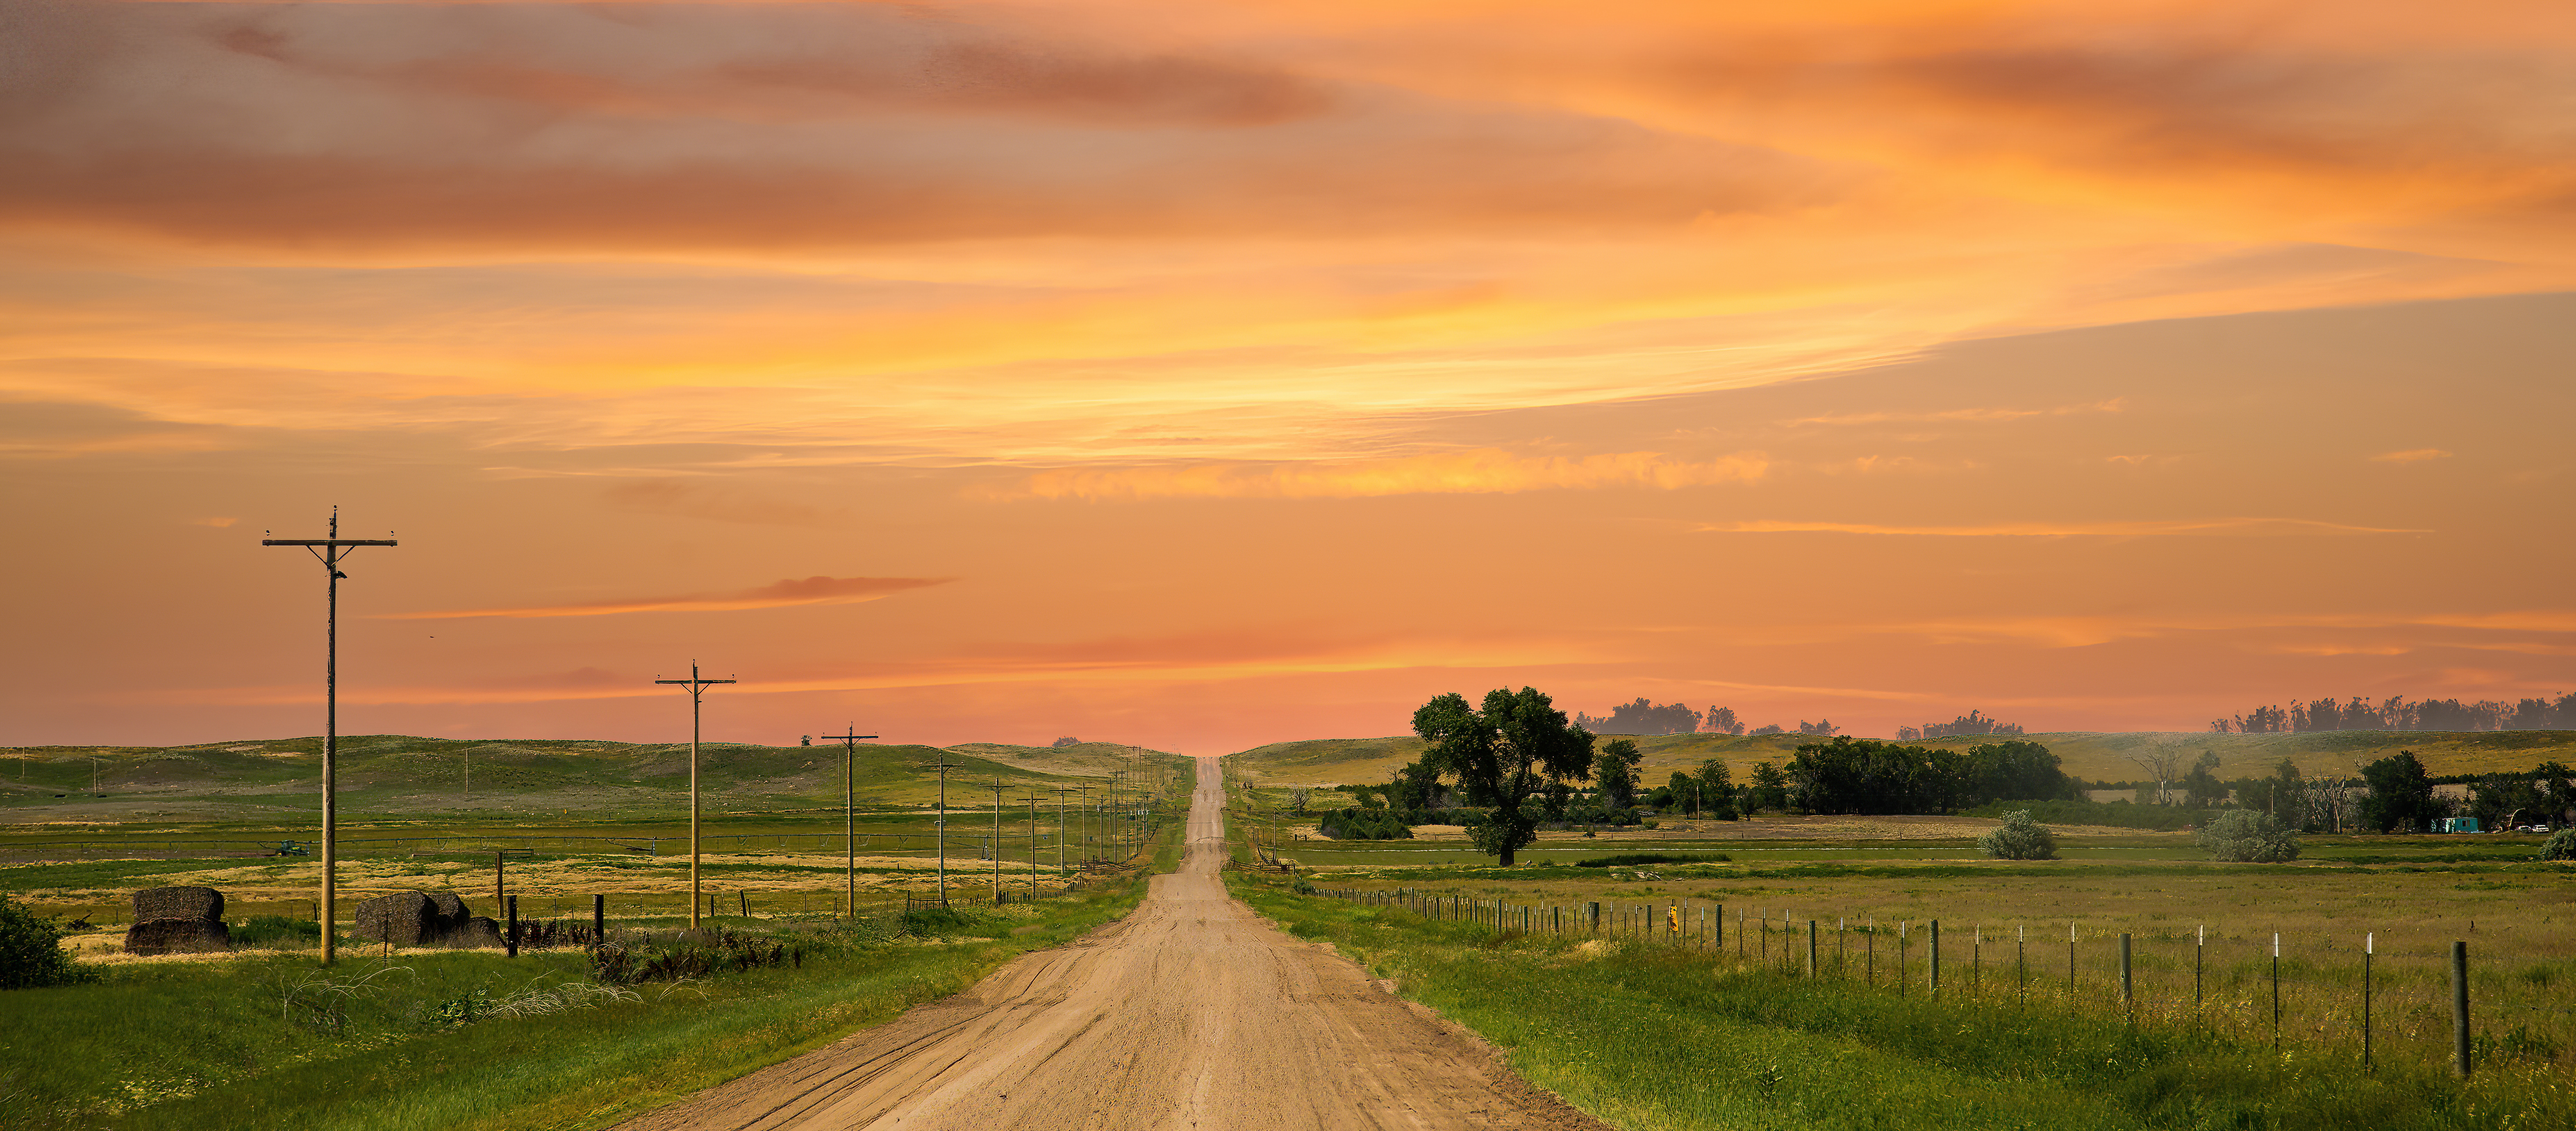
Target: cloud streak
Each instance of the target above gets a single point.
(782, 594)
(1482, 472)
(2250, 527)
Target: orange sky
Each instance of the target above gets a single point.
(1205, 375)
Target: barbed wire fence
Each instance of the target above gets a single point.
(2359, 994)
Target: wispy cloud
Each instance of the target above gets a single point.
(2115, 404)
(2235, 526)
(1484, 471)
(793, 591)
(2411, 455)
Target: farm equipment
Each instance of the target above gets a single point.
(290, 848)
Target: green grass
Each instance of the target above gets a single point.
(240, 1044)
(1653, 1037)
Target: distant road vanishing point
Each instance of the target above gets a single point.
(1189, 1013)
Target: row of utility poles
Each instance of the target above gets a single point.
(331, 551)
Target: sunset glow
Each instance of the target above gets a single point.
(1204, 375)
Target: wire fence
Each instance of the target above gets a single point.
(2364, 994)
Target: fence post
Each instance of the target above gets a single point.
(2460, 1004)
(510, 941)
(1592, 916)
(2021, 958)
(1811, 948)
(2369, 945)
(2070, 961)
(1936, 960)
(2199, 951)
(598, 919)
(1869, 950)
(2276, 989)
(2125, 998)
(1721, 927)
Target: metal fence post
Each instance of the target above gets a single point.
(2460, 1004)
(1811, 948)
(510, 941)
(2276, 989)
(1936, 960)
(2369, 946)
(598, 919)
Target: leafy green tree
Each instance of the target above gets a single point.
(2561, 845)
(2244, 835)
(1556, 800)
(2201, 788)
(2401, 793)
(1512, 747)
(2558, 792)
(1685, 791)
(1770, 789)
(2014, 770)
(1714, 781)
(2020, 837)
(1614, 772)
(2503, 801)
(1416, 788)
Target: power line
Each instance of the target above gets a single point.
(330, 552)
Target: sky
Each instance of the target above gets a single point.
(1202, 375)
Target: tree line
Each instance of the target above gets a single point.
(2399, 713)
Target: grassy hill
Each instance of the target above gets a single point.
(2101, 757)
(399, 776)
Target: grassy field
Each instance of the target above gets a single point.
(2098, 757)
(1677, 1033)
(418, 1039)
(272, 784)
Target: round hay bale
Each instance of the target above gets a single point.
(404, 918)
(177, 936)
(178, 903)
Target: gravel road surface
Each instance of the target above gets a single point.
(1189, 1013)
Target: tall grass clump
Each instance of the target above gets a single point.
(2020, 837)
(2246, 836)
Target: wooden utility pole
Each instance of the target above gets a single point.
(939, 828)
(850, 806)
(697, 687)
(1032, 799)
(997, 839)
(1060, 791)
(330, 552)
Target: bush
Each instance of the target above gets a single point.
(31, 951)
(2020, 837)
(2561, 845)
(2249, 836)
(1363, 824)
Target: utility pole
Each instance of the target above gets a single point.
(1060, 791)
(330, 552)
(939, 828)
(997, 840)
(1032, 799)
(1086, 828)
(850, 806)
(697, 686)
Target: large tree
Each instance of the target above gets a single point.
(1615, 773)
(1513, 747)
(2401, 794)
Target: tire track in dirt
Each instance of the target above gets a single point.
(1191, 1012)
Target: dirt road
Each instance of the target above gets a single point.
(1189, 1013)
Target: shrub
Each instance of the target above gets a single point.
(2249, 836)
(1363, 824)
(2561, 845)
(31, 951)
(2020, 837)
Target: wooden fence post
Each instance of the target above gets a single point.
(1936, 960)
(2126, 999)
(598, 919)
(510, 940)
(1811, 948)
(2369, 945)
